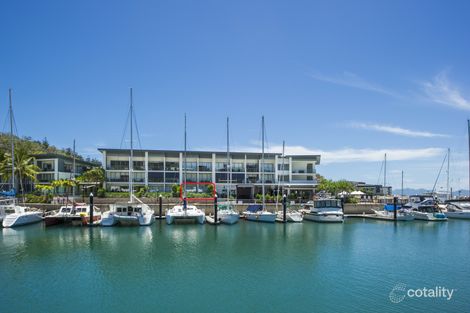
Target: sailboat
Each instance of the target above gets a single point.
(291, 215)
(459, 209)
(13, 215)
(225, 212)
(256, 212)
(135, 212)
(185, 213)
(387, 212)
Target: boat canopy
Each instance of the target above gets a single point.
(390, 207)
(253, 208)
(10, 193)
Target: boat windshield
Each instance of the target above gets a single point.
(329, 203)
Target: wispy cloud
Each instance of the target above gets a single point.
(346, 155)
(396, 130)
(352, 80)
(441, 90)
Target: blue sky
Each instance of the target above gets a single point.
(348, 79)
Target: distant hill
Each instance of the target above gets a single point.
(37, 147)
(411, 191)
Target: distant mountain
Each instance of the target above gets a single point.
(411, 191)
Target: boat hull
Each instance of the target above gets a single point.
(291, 217)
(20, 219)
(229, 219)
(264, 217)
(458, 215)
(422, 216)
(184, 219)
(324, 218)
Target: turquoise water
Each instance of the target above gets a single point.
(248, 267)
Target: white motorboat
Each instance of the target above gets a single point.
(72, 214)
(180, 214)
(291, 216)
(21, 216)
(256, 213)
(458, 210)
(428, 211)
(324, 211)
(227, 215)
(402, 215)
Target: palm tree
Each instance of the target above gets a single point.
(24, 165)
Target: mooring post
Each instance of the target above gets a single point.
(284, 207)
(215, 209)
(160, 204)
(90, 222)
(395, 208)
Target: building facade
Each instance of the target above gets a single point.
(57, 166)
(159, 170)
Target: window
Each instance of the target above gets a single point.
(156, 177)
(68, 167)
(205, 178)
(268, 168)
(250, 178)
(117, 176)
(220, 178)
(191, 166)
(283, 167)
(238, 167)
(156, 166)
(138, 177)
(172, 166)
(191, 177)
(139, 165)
(205, 166)
(252, 167)
(172, 177)
(43, 178)
(238, 178)
(46, 166)
(221, 166)
(118, 165)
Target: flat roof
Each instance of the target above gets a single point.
(305, 157)
(41, 156)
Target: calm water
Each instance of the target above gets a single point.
(248, 267)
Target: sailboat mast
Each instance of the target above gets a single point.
(385, 171)
(12, 143)
(262, 160)
(448, 173)
(184, 165)
(229, 180)
(468, 126)
(131, 161)
(402, 185)
(73, 169)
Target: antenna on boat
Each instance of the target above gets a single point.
(262, 160)
(131, 161)
(184, 164)
(12, 143)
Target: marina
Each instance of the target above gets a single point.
(261, 263)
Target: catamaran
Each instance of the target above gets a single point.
(258, 213)
(134, 212)
(185, 212)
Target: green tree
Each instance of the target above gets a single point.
(335, 187)
(24, 164)
(94, 175)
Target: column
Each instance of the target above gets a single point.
(146, 166)
(213, 168)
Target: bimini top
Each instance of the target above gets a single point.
(253, 208)
(390, 207)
